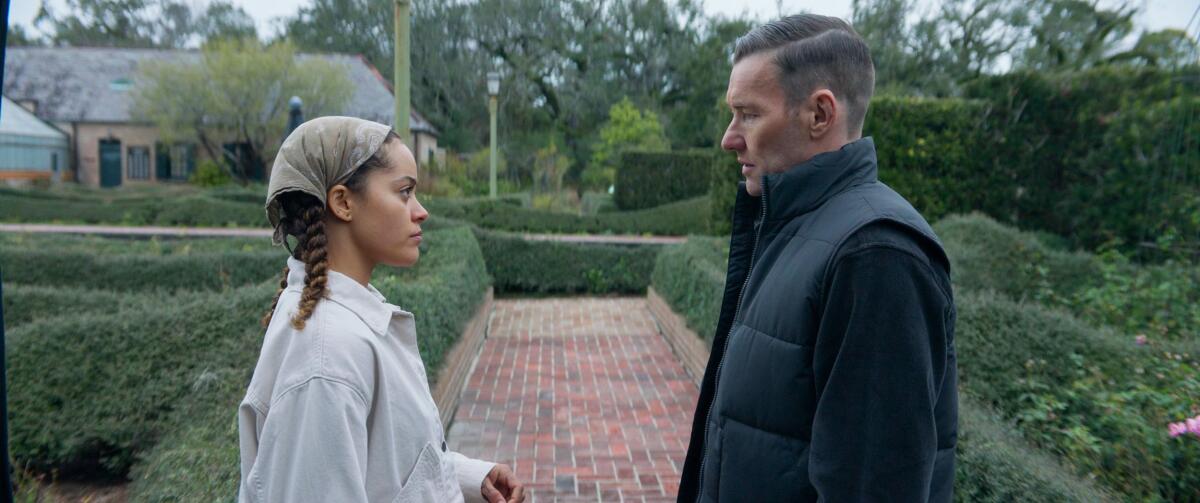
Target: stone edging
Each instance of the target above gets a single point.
(688, 347)
(452, 378)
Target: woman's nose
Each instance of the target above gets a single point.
(419, 213)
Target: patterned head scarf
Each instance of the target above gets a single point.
(318, 155)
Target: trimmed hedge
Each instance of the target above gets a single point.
(201, 271)
(723, 185)
(519, 265)
(29, 303)
(142, 210)
(1097, 156)
(674, 219)
(90, 391)
(993, 464)
(98, 245)
(650, 179)
(1160, 301)
(1095, 399)
(1089, 395)
(691, 278)
(985, 254)
(94, 391)
(198, 459)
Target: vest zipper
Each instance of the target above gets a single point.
(762, 221)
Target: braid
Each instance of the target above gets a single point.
(313, 253)
(266, 320)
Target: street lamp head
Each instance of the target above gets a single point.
(295, 103)
(493, 83)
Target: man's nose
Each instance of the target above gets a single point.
(733, 141)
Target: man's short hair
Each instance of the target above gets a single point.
(815, 52)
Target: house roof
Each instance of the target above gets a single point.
(93, 84)
(15, 120)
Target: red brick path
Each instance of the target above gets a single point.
(583, 397)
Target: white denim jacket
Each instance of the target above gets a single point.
(341, 411)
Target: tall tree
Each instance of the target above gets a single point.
(1077, 34)
(236, 92)
(143, 23)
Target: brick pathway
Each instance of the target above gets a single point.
(583, 397)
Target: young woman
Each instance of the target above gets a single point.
(339, 409)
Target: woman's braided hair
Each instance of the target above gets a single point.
(303, 216)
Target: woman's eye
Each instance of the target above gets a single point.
(406, 192)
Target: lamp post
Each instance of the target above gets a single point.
(401, 74)
(493, 87)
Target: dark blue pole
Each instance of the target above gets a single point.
(6, 492)
(295, 114)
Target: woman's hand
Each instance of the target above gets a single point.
(502, 486)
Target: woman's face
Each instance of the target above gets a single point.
(387, 218)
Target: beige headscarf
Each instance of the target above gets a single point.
(319, 154)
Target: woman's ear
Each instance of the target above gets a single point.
(339, 203)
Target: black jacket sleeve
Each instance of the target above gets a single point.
(879, 360)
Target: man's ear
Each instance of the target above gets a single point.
(823, 107)
(338, 200)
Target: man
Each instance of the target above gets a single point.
(832, 376)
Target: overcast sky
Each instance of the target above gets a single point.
(1156, 14)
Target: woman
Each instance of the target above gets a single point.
(339, 409)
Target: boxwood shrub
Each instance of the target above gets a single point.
(197, 459)
(649, 179)
(200, 271)
(527, 266)
(97, 391)
(691, 279)
(675, 219)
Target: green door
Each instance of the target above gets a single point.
(110, 163)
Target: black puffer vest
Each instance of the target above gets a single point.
(753, 422)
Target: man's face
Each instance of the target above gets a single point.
(766, 131)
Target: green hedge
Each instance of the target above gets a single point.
(22, 241)
(723, 184)
(1160, 301)
(98, 390)
(1094, 155)
(198, 459)
(1097, 156)
(985, 254)
(927, 154)
(90, 391)
(691, 279)
(193, 210)
(520, 265)
(201, 271)
(993, 464)
(674, 219)
(1089, 395)
(650, 179)
(28, 303)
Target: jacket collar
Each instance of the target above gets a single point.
(806, 186)
(365, 302)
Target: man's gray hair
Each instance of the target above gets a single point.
(814, 52)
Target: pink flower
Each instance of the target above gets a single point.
(1140, 339)
(1193, 425)
(1176, 429)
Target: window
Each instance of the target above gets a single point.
(139, 163)
(54, 162)
(180, 161)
